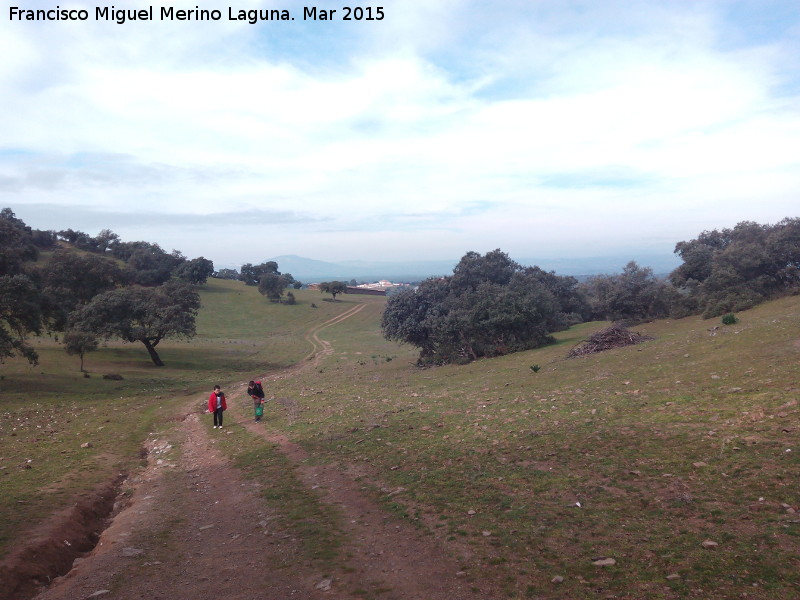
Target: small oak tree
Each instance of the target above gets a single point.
(80, 343)
(333, 288)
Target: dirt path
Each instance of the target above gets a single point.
(194, 528)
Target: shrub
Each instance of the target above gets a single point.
(729, 319)
(732, 301)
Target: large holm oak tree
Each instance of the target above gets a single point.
(490, 306)
(138, 314)
(20, 297)
(20, 314)
(71, 279)
(252, 274)
(735, 269)
(272, 285)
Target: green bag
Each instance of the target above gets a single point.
(260, 410)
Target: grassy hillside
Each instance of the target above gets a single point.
(686, 439)
(48, 411)
(638, 454)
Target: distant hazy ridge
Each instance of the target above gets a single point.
(309, 270)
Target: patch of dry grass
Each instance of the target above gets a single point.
(639, 454)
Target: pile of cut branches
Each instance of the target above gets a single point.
(615, 336)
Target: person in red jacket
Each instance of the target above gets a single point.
(217, 405)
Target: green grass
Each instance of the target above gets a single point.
(42, 462)
(619, 432)
(49, 410)
(665, 444)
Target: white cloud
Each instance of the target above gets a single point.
(574, 119)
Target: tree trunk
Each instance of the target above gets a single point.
(153, 354)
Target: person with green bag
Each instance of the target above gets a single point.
(256, 392)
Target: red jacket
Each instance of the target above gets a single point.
(212, 402)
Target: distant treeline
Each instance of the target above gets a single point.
(270, 281)
(91, 288)
(145, 263)
(492, 305)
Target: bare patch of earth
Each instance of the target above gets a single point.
(194, 528)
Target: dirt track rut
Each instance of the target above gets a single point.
(195, 529)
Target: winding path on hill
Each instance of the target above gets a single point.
(323, 348)
(194, 528)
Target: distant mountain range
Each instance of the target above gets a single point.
(309, 270)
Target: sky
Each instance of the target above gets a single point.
(547, 129)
